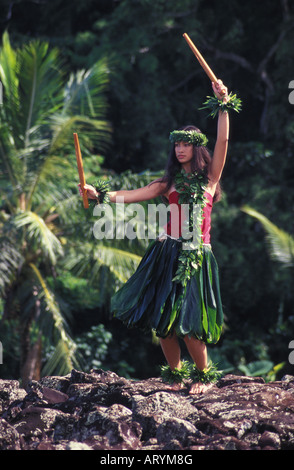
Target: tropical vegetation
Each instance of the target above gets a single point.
(120, 74)
(39, 216)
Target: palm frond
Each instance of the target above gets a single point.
(85, 91)
(39, 235)
(88, 260)
(281, 243)
(9, 110)
(40, 85)
(33, 91)
(93, 132)
(48, 170)
(10, 262)
(121, 263)
(7, 170)
(63, 358)
(9, 70)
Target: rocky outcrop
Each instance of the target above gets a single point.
(102, 411)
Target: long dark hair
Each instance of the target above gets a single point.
(201, 162)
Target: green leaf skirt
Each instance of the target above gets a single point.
(152, 300)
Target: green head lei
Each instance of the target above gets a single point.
(191, 137)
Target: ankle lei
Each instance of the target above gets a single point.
(176, 375)
(205, 376)
(190, 371)
(191, 188)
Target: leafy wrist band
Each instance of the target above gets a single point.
(214, 105)
(102, 188)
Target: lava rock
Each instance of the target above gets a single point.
(102, 411)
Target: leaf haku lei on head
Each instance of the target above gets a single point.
(214, 105)
(191, 137)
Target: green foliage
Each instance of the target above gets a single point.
(265, 369)
(40, 110)
(92, 347)
(155, 84)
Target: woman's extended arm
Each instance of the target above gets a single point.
(221, 145)
(151, 191)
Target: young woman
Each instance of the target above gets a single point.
(175, 290)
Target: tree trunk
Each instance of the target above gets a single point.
(31, 368)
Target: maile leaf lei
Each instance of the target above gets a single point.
(191, 188)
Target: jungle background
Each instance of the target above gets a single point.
(120, 74)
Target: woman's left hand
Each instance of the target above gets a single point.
(220, 90)
(91, 191)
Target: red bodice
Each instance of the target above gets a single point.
(174, 229)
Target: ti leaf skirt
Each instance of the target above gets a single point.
(151, 300)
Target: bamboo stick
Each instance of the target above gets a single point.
(201, 60)
(81, 170)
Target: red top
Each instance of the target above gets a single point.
(174, 229)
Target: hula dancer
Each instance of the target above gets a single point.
(175, 290)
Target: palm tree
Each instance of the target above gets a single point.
(42, 107)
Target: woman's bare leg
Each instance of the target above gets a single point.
(172, 352)
(198, 352)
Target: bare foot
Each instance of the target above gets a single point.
(176, 386)
(198, 388)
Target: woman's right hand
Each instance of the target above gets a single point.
(220, 90)
(91, 191)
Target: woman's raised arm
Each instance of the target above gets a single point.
(221, 145)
